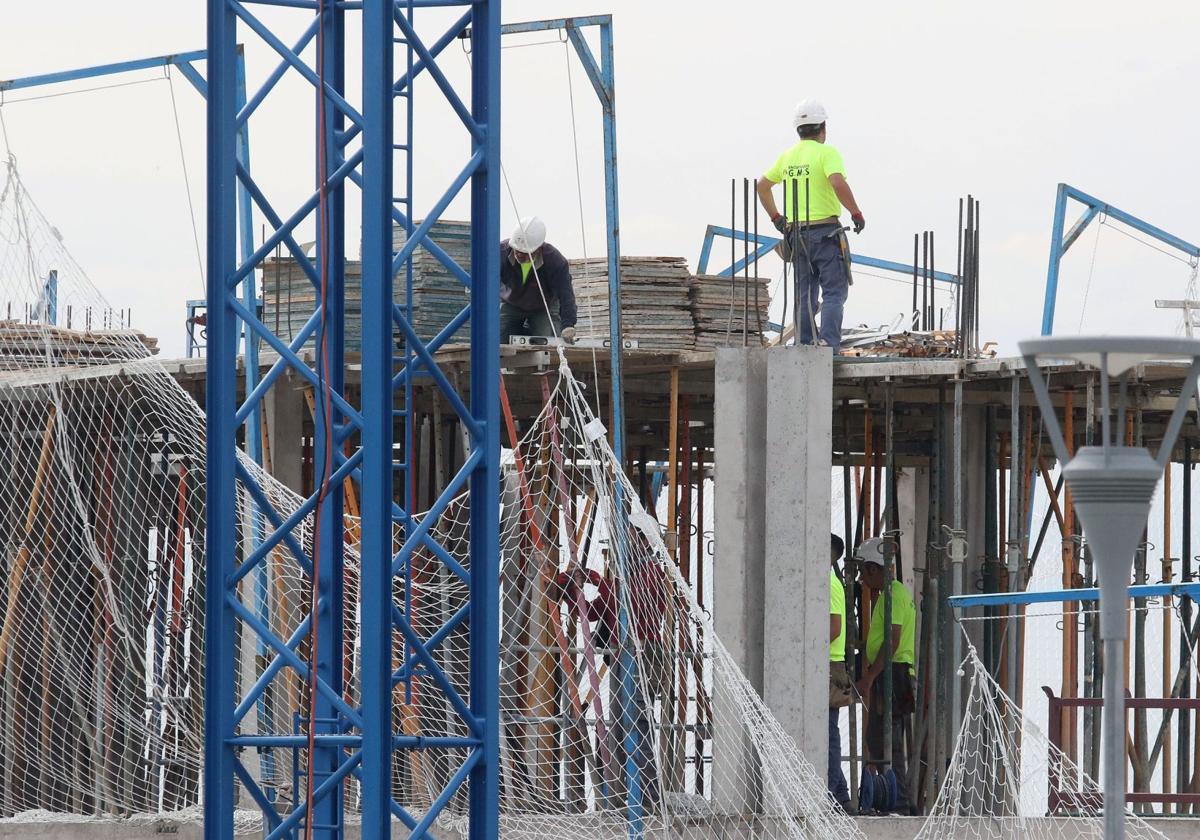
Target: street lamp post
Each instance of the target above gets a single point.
(1112, 486)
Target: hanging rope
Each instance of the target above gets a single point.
(1091, 272)
(582, 223)
(187, 181)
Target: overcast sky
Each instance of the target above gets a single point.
(928, 101)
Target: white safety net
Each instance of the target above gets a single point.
(621, 709)
(1007, 779)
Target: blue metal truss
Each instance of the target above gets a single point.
(764, 244)
(353, 440)
(1093, 207)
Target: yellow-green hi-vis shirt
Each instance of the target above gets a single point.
(811, 163)
(904, 613)
(837, 606)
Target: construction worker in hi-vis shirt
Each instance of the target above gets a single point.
(814, 192)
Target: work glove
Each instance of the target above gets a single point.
(780, 222)
(567, 335)
(859, 222)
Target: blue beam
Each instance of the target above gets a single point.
(765, 244)
(1059, 244)
(483, 781)
(220, 527)
(376, 389)
(555, 23)
(1140, 225)
(997, 599)
(102, 70)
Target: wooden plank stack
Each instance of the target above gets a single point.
(656, 309)
(720, 311)
(437, 294)
(289, 297)
(34, 345)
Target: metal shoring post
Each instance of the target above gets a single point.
(890, 544)
(1184, 751)
(957, 553)
(1091, 733)
(628, 691)
(1014, 540)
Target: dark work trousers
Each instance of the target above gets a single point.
(901, 707)
(835, 778)
(514, 321)
(821, 261)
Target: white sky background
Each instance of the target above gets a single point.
(927, 102)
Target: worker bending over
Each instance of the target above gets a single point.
(814, 192)
(903, 648)
(536, 293)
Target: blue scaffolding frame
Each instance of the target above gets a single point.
(356, 741)
(1060, 243)
(763, 244)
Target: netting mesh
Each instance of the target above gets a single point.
(1006, 779)
(619, 703)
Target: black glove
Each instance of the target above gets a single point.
(859, 222)
(780, 222)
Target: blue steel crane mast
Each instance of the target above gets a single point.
(352, 740)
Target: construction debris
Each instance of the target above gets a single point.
(720, 306)
(933, 344)
(656, 308)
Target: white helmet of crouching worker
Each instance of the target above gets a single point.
(529, 235)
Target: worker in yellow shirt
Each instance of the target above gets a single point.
(814, 192)
(903, 648)
(840, 691)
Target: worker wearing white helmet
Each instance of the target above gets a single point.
(537, 296)
(814, 193)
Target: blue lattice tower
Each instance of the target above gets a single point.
(359, 145)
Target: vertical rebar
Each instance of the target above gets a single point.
(925, 280)
(932, 283)
(745, 262)
(916, 274)
(1184, 775)
(961, 292)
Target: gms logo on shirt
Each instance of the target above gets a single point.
(798, 170)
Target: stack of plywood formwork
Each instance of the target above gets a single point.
(655, 305)
(723, 319)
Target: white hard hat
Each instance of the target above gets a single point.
(808, 112)
(871, 551)
(529, 235)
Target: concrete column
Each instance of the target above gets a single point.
(773, 435)
(739, 462)
(286, 411)
(799, 465)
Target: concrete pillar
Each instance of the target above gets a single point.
(286, 410)
(773, 441)
(739, 462)
(799, 465)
